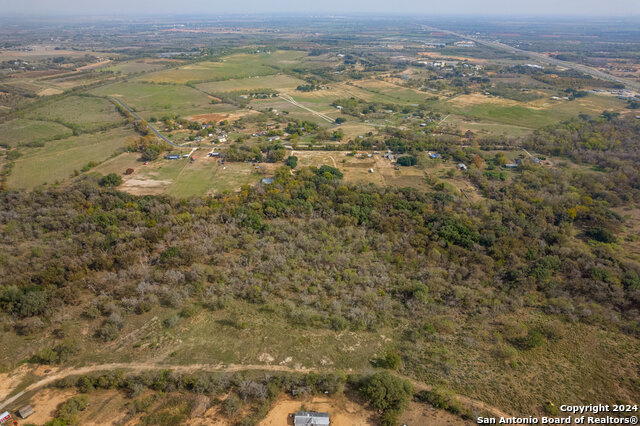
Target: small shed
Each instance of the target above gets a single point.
(25, 411)
(267, 181)
(462, 166)
(311, 418)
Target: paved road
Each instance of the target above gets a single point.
(544, 58)
(153, 129)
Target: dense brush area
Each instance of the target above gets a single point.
(467, 286)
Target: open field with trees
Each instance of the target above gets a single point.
(235, 66)
(357, 216)
(24, 131)
(83, 113)
(59, 160)
(149, 99)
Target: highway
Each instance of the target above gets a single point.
(153, 129)
(543, 58)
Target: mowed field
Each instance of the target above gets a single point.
(137, 66)
(234, 66)
(515, 118)
(88, 113)
(22, 131)
(387, 92)
(274, 82)
(58, 160)
(183, 178)
(157, 99)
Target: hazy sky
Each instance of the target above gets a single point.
(213, 7)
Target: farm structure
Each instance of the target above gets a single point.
(311, 418)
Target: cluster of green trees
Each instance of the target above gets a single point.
(359, 107)
(513, 92)
(257, 390)
(272, 152)
(327, 254)
(522, 249)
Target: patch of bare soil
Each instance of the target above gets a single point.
(46, 402)
(216, 117)
(94, 65)
(9, 381)
(212, 417)
(144, 186)
(480, 99)
(49, 92)
(343, 411)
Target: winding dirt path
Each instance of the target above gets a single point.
(469, 403)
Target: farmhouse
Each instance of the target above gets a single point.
(311, 418)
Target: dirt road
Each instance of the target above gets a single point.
(57, 374)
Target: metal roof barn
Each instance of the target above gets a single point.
(311, 418)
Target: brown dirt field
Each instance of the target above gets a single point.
(343, 411)
(49, 92)
(216, 117)
(9, 381)
(212, 417)
(95, 65)
(46, 402)
(480, 99)
(144, 186)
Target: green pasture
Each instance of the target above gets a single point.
(200, 177)
(88, 113)
(22, 131)
(240, 65)
(158, 99)
(58, 160)
(274, 82)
